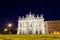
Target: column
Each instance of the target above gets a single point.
(34, 28)
(22, 27)
(43, 28)
(38, 31)
(25, 28)
(18, 29)
(38, 28)
(22, 31)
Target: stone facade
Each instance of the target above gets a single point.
(31, 24)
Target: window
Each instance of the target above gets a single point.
(20, 24)
(27, 23)
(49, 32)
(48, 23)
(54, 23)
(45, 26)
(30, 25)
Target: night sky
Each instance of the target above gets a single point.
(11, 10)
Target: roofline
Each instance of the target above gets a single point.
(52, 20)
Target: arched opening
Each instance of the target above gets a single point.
(30, 32)
(40, 32)
(23, 32)
(36, 32)
(20, 31)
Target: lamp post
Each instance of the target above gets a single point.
(9, 25)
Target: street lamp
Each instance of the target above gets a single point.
(9, 25)
(5, 29)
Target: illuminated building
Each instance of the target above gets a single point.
(53, 26)
(31, 24)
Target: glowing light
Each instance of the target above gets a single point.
(9, 25)
(5, 29)
(56, 32)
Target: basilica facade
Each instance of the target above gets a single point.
(31, 24)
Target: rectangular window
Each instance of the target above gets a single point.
(30, 25)
(20, 24)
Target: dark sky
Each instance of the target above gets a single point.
(10, 10)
